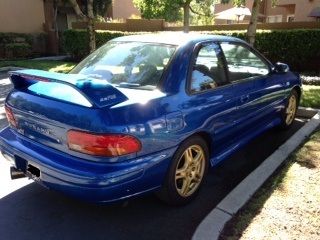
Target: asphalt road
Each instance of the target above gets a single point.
(28, 211)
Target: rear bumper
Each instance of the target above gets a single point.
(86, 180)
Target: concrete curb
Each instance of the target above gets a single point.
(7, 69)
(307, 112)
(213, 224)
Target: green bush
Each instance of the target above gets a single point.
(6, 38)
(17, 50)
(104, 36)
(76, 41)
(298, 48)
(15, 45)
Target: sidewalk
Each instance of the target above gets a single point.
(288, 205)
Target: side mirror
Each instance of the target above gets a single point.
(281, 68)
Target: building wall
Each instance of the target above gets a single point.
(221, 7)
(299, 8)
(283, 10)
(21, 16)
(303, 8)
(123, 9)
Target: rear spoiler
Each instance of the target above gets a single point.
(98, 92)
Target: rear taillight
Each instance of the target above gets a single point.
(10, 116)
(107, 145)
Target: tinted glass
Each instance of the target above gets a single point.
(127, 64)
(208, 70)
(242, 63)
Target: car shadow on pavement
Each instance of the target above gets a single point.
(33, 212)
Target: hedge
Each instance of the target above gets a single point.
(17, 50)
(76, 41)
(6, 38)
(15, 45)
(299, 48)
(20, 45)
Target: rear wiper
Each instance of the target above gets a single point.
(93, 75)
(126, 84)
(136, 85)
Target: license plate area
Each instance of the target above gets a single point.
(33, 172)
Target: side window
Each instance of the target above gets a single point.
(208, 70)
(242, 63)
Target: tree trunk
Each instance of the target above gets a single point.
(50, 23)
(252, 28)
(55, 15)
(77, 9)
(186, 16)
(91, 30)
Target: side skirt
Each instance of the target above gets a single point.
(243, 141)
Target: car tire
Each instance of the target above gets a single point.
(289, 112)
(186, 172)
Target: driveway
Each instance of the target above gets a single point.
(29, 211)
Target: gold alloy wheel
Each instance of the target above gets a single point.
(190, 170)
(291, 109)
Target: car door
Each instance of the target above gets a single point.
(211, 101)
(246, 72)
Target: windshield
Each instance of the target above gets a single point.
(127, 64)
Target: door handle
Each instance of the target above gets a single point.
(244, 98)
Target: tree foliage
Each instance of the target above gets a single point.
(237, 3)
(171, 10)
(202, 12)
(164, 9)
(99, 6)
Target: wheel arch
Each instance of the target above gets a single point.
(206, 137)
(298, 90)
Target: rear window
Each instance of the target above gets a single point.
(128, 64)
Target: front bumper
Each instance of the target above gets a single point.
(83, 179)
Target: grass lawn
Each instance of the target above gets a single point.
(311, 96)
(287, 206)
(53, 66)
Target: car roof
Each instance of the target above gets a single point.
(174, 38)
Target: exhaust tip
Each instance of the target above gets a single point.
(16, 174)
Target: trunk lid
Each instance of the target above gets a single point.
(46, 105)
(74, 88)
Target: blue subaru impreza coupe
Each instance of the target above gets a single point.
(144, 113)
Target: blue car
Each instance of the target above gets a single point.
(147, 113)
